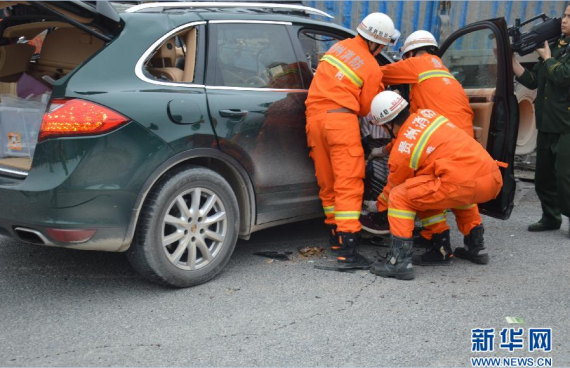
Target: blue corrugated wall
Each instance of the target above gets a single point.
(413, 15)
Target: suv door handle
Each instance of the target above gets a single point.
(233, 113)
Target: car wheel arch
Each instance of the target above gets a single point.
(226, 166)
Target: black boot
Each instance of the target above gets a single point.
(543, 225)
(398, 262)
(474, 243)
(333, 238)
(421, 242)
(348, 253)
(439, 254)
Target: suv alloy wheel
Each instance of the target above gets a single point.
(187, 230)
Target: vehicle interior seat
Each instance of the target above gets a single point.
(14, 60)
(482, 102)
(64, 49)
(190, 59)
(31, 30)
(164, 62)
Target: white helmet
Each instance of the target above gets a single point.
(386, 106)
(379, 28)
(418, 39)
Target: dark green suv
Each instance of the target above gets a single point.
(175, 128)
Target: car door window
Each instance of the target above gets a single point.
(315, 44)
(256, 56)
(472, 59)
(479, 56)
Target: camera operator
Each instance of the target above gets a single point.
(551, 75)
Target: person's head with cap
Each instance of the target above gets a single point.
(390, 111)
(418, 43)
(378, 30)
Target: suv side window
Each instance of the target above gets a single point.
(255, 56)
(315, 44)
(175, 59)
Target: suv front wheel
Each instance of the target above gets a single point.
(187, 229)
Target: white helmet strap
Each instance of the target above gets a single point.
(395, 37)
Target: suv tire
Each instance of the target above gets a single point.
(187, 229)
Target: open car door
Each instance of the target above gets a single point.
(479, 56)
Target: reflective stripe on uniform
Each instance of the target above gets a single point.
(328, 209)
(434, 74)
(434, 219)
(344, 69)
(346, 215)
(382, 197)
(469, 206)
(424, 138)
(553, 67)
(402, 214)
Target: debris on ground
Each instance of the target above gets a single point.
(311, 251)
(339, 267)
(279, 256)
(335, 268)
(515, 320)
(525, 166)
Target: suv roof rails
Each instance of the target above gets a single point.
(160, 6)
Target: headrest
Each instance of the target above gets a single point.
(166, 54)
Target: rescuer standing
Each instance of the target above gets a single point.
(345, 82)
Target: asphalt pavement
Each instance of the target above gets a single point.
(62, 307)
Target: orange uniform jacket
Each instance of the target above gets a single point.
(347, 76)
(432, 87)
(429, 145)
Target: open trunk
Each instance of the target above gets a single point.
(41, 42)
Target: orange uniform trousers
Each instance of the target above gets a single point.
(336, 149)
(427, 196)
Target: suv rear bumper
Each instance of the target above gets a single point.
(82, 183)
(32, 219)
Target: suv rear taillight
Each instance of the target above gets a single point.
(75, 117)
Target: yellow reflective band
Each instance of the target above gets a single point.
(346, 215)
(402, 214)
(328, 209)
(553, 66)
(434, 74)
(464, 207)
(344, 69)
(424, 138)
(383, 198)
(434, 219)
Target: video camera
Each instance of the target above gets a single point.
(525, 43)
